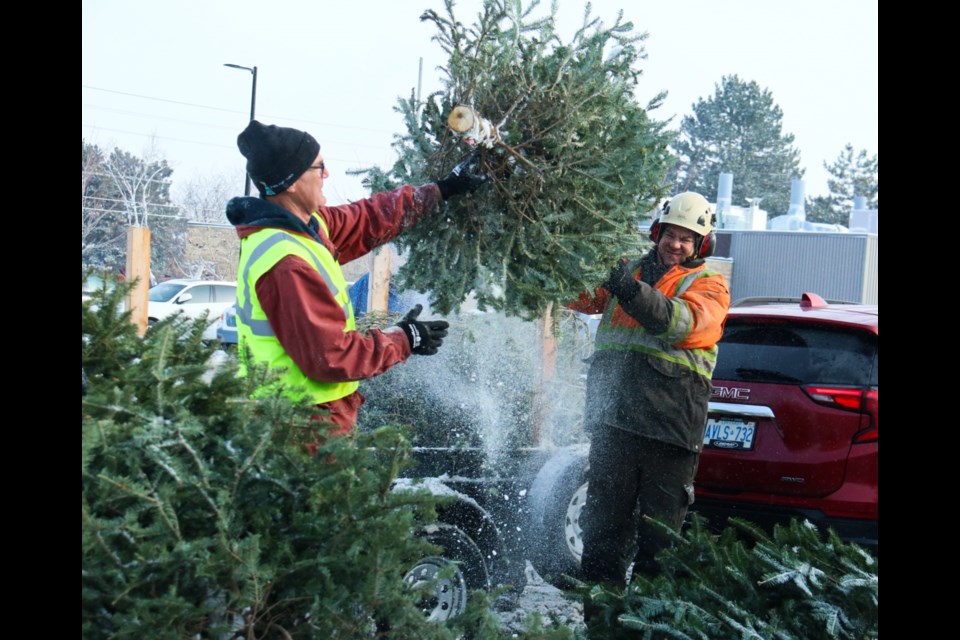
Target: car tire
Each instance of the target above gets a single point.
(555, 501)
(447, 579)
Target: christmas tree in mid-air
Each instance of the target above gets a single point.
(574, 161)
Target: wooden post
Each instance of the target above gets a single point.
(138, 268)
(548, 370)
(380, 281)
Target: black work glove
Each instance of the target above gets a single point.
(424, 336)
(466, 177)
(621, 282)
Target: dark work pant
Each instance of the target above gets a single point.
(631, 477)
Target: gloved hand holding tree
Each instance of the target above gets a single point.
(465, 177)
(621, 282)
(425, 336)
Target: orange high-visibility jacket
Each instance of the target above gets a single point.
(654, 356)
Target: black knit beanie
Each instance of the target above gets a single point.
(276, 156)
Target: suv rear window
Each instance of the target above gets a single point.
(795, 353)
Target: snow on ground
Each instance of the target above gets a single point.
(551, 603)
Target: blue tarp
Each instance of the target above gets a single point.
(358, 298)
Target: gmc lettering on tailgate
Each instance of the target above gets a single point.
(731, 393)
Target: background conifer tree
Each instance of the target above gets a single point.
(738, 130)
(853, 173)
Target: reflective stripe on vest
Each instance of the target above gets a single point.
(702, 361)
(245, 311)
(260, 252)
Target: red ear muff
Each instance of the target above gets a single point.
(655, 231)
(709, 241)
(707, 244)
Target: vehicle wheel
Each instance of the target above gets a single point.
(444, 587)
(556, 499)
(445, 580)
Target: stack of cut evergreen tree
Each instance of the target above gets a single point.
(202, 515)
(580, 162)
(793, 584)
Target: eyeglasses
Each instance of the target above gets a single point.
(322, 167)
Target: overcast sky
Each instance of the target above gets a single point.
(152, 73)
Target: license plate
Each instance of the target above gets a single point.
(729, 433)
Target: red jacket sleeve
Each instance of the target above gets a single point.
(309, 324)
(357, 228)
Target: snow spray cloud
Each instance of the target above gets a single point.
(479, 390)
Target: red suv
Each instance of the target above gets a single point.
(794, 420)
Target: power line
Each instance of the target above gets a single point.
(124, 202)
(118, 212)
(155, 99)
(212, 144)
(221, 109)
(154, 136)
(351, 162)
(138, 179)
(140, 114)
(219, 213)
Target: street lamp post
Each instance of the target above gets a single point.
(253, 109)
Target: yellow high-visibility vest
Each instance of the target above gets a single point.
(259, 252)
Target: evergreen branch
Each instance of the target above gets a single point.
(165, 465)
(159, 370)
(153, 500)
(251, 459)
(274, 623)
(513, 152)
(487, 25)
(123, 594)
(96, 529)
(588, 208)
(118, 410)
(204, 488)
(564, 119)
(746, 632)
(591, 177)
(641, 624)
(522, 99)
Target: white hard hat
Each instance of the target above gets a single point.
(691, 211)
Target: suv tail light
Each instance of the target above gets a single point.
(864, 401)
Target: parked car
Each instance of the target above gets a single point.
(95, 285)
(794, 422)
(227, 327)
(194, 298)
(793, 430)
